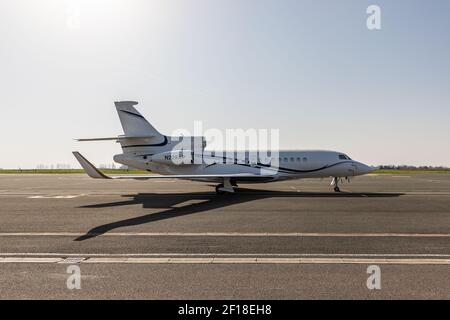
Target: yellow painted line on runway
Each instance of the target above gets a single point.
(225, 234)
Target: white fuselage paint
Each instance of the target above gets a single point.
(286, 164)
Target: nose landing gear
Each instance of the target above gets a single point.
(335, 183)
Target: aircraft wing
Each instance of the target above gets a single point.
(93, 172)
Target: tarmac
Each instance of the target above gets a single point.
(174, 239)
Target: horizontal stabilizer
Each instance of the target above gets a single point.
(116, 138)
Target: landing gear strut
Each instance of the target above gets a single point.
(335, 183)
(226, 187)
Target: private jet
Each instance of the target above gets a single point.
(180, 157)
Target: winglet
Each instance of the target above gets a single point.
(89, 168)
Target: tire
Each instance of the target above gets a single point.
(219, 191)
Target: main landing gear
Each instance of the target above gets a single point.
(226, 187)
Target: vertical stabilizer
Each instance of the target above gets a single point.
(133, 123)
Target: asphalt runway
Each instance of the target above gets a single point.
(172, 239)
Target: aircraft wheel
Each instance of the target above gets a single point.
(336, 189)
(218, 191)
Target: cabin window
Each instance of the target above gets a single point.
(305, 159)
(285, 159)
(292, 159)
(298, 159)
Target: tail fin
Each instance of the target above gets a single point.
(133, 123)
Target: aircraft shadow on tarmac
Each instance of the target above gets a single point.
(202, 201)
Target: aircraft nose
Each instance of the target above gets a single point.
(362, 168)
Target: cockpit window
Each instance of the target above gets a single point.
(344, 157)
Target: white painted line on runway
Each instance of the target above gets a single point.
(226, 234)
(177, 254)
(188, 203)
(234, 260)
(57, 196)
(206, 193)
(19, 194)
(72, 260)
(29, 260)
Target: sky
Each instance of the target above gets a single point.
(311, 69)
